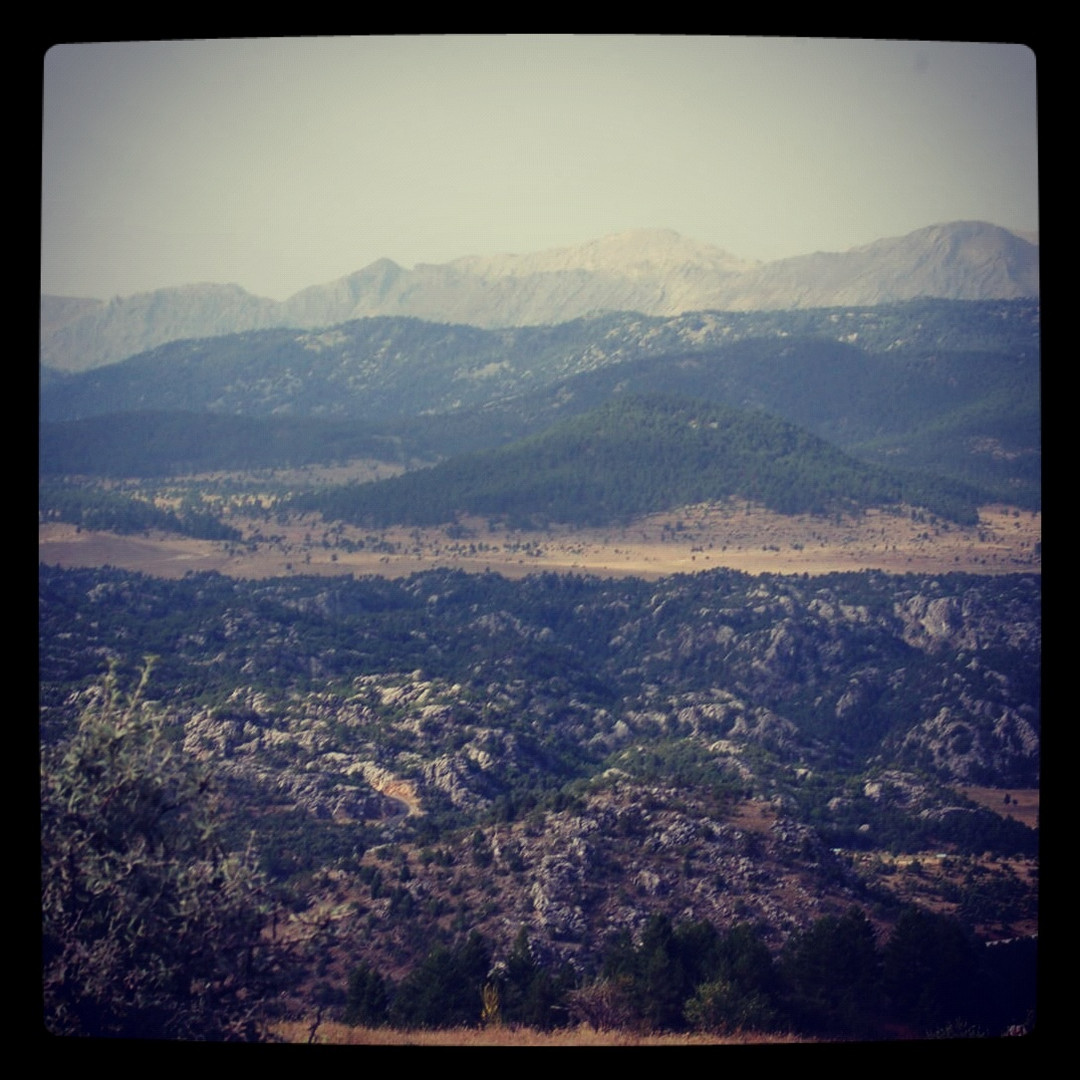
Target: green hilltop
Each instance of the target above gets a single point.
(641, 454)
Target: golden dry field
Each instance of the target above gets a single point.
(499, 1035)
(733, 534)
(1023, 804)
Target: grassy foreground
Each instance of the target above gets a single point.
(505, 1035)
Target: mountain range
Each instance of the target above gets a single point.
(945, 386)
(561, 772)
(651, 271)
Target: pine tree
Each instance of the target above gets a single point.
(367, 1000)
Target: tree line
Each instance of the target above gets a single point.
(91, 507)
(832, 979)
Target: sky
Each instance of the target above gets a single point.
(281, 163)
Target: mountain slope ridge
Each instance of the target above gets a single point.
(948, 386)
(635, 455)
(652, 271)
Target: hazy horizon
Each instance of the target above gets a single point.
(284, 163)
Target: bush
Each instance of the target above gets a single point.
(722, 1007)
(149, 928)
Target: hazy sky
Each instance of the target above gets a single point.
(278, 164)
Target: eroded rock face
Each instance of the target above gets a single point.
(979, 744)
(293, 758)
(974, 620)
(762, 725)
(458, 778)
(935, 672)
(932, 623)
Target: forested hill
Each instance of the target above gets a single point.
(635, 455)
(375, 369)
(949, 387)
(157, 443)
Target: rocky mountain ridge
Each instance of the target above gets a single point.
(652, 271)
(578, 754)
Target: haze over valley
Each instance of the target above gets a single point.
(652, 271)
(636, 637)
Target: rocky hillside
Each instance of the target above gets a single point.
(652, 271)
(454, 752)
(474, 687)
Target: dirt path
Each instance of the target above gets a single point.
(404, 793)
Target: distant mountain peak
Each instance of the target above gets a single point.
(633, 251)
(952, 232)
(380, 266)
(655, 271)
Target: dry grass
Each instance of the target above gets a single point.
(341, 1034)
(733, 534)
(1023, 803)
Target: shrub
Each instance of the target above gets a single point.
(149, 928)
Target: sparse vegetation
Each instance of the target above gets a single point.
(507, 1035)
(692, 798)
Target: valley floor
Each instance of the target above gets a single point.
(733, 535)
